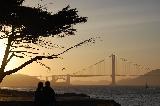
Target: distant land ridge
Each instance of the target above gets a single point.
(19, 80)
(151, 78)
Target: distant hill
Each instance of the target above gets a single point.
(19, 80)
(152, 78)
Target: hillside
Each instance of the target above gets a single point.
(152, 78)
(19, 80)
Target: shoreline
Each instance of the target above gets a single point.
(25, 98)
(64, 103)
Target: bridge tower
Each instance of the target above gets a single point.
(53, 79)
(68, 79)
(113, 69)
(47, 78)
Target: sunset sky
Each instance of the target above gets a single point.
(128, 28)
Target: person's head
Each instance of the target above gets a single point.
(40, 84)
(47, 83)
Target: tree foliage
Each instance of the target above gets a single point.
(21, 24)
(30, 23)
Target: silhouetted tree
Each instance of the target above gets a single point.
(26, 25)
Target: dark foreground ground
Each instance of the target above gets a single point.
(64, 103)
(22, 98)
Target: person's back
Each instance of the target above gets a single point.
(39, 95)
(49, 95)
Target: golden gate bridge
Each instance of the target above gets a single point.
(113, 67)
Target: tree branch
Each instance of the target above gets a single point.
(29, 62)
(42, 64)
(10, 58)
(47, 57)
(75, 46)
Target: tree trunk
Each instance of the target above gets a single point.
(2, 75)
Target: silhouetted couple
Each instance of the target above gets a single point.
(44, 95)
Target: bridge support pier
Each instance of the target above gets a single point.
(47, 78)
(53, 79)
(113, 70)
(68, 79)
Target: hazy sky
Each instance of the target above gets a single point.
(130, 28)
